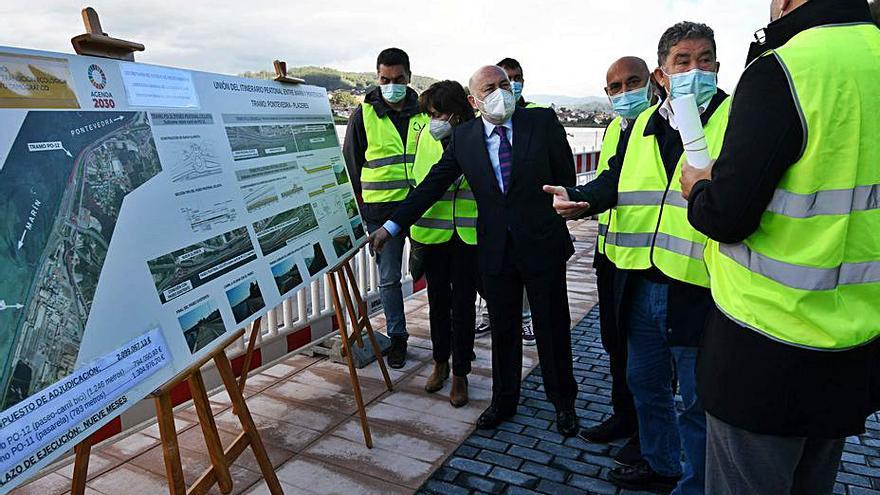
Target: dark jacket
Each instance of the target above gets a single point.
(355, 146)
(745, 378)
(688, 304)
(541, 155)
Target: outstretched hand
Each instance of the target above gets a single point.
(566, 208)
(377, 240)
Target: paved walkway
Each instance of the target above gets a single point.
(305, 410)
(526, 456)
(306, 413)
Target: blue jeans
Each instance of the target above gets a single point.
(390, 262)
(650, 369)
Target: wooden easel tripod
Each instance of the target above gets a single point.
(342, 282)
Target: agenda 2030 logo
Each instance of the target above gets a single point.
(100, 97)
(97, 76)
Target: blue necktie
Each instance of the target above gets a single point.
(505, 157)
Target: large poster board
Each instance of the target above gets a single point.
(146, 211)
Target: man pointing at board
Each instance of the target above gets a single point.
(506, 156)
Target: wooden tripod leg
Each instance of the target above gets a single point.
(249, 354)
(362, 317)
(343, 333)
(170, 449)
(81, 466)
(209, 430)
(247, 423)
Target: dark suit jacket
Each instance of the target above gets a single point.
(541, 155)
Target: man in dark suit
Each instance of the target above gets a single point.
(506, 156)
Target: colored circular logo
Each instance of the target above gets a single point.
(97, 76)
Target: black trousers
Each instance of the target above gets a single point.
(453, 278)
(548, 297)
(614, 342)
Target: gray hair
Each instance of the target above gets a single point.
(684, 30)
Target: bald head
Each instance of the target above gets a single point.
(626, 74)
(487, 79)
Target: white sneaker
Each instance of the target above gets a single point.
(528, 333)
(483, 326)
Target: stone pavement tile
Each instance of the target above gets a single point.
(98, 465)
(373, 372)
(430, 450)
(322, 397)
(437, 404)
(304, 474)
(391, 466)
(182, 422)
(194, 440)
(416, 358)
(136, 481)
(192, 462)
(287, 436)
(50, 484)
(279, 370)
(257, 382)
(130, 446)
(445, 428)
(294, 412)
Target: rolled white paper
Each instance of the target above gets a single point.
(687, 118)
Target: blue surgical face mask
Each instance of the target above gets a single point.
(516, 87)
(393, 93)
(702, 84)
(630, 104)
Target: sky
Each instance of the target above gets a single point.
(565, 46)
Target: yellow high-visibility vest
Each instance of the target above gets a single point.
(649, 226)
(387, 173)
(809, 276)
(456, 211)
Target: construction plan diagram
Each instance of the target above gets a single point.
(171, 216)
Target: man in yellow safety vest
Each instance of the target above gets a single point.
(790, 360)
(379, 150)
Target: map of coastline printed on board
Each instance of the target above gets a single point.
(136, 197)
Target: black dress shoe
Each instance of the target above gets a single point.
(613, 428)
(494, 416)
(641, 477)
(567, 423)
(631, 452)
(397, 352)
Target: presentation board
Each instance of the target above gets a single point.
(145, 212)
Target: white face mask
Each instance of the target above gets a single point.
(440, 129)
(498, 106)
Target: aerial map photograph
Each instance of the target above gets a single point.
(61, 211)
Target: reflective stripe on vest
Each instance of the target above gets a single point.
(609, 148)
(809, 276)
(649, 226)
(455, 211)
(387, 173)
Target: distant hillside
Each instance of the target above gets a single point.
(588, 103)
(333, 79)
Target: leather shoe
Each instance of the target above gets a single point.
(613, 428)
(567, 423)
(494, 416)
(631, 452)
(397, 352)
(438, 376)
(458, 396)
(642, 478)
